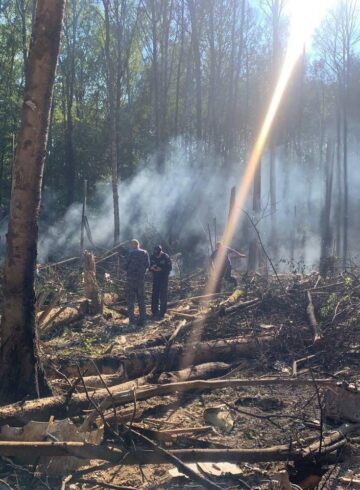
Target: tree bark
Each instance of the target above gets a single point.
(254, 251)
(143, 361)
(21, 372)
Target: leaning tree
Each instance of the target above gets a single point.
(21, 372)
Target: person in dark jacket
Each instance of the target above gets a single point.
(136, 265)
(226, 269)
(160, 266)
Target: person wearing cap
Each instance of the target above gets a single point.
(135, 266)
(160, 266)
(226, 269)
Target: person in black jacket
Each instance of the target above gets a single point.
(160, 266)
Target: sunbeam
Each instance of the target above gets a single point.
(305, 16)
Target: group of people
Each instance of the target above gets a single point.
(159, 264)
(136, 265)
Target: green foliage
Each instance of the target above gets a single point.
(236, 82)
(328, 308)
(89, 345)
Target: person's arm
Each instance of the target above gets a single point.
(152, 263)
(168, 265)
(146, 261)
(232, 250)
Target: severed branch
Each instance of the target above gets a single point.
(310, 310)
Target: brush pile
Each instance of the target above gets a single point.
(249, 388)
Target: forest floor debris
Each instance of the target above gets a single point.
(257, 411)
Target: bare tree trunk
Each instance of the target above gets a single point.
(112, 113)
(179, 67)
(236, 64)
(339, 181)
(254, 252)
(232, 200)
(2, 158)
(326, 259)
(21, 372)
(275, 14)
(155, 76)
(345, 151)
(197, 60)
(212, 116)
(71, 40)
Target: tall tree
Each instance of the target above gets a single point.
(194, 8)
(111, 69)
(68, 69)
(20, 367)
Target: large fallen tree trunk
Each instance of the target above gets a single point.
(114, 454)
(96, 382)
(140, 362)
(42, 409)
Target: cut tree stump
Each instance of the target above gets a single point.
(90, 283)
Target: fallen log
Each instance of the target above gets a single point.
(201, 371)
(42, 409)
(95, 382)
(139, 362)
(114, 454)
(64, 315)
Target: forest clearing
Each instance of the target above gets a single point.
(272, 398)
(179, 236)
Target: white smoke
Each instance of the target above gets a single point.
(192, 189)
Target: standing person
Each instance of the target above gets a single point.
(160, 266)
(225, 271)
(136, 265)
